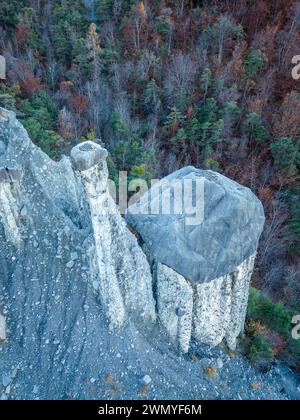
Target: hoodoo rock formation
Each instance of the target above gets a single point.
(81, 299)
(202, 251)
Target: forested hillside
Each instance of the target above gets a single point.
(166, 84)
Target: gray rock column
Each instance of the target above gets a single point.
(220, 306)
(121, 272)
(207, 312)
(175, 305)
(241, 279)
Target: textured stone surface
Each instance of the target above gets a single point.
(240, 285)
(10, 173)
(229, 233)
(70, 270)
(2, 328)
(85, 156)
(2, 148)
(220, 306)
(207, 312)
(175, 305)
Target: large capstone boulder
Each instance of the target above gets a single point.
(201, 228)
(212, 231)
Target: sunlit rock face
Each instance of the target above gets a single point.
(203, 250)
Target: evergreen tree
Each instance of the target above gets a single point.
(254, 63)
(193, 130)
(41, 108)
(179, 141)
(80, 58)
(217, 86)
(45, 139)
(217, 132)
(10, 12)
(286, 154)
(174, 118)
(208, 111)
(294, 221)
(70, 23)
(151, 98)
(218, 36)
(205, 81)
(254, 128)
(231, 111)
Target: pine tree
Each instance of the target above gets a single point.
(286, 154)
(179, 141)
(174, 119)
(151, 98)
(218, 36)
(254, 63)
(294, 222)
(231, 110)
(193, 130)
(208, 111)
(254, 128)
(10, 12)
(205, 81)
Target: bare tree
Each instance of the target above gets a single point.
(180, 77)
(99, 109)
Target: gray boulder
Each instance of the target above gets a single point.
(87, 155)
(200, 250)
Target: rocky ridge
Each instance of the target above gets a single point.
(80, 316)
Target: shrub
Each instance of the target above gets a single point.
(45, 139)
(255, 327)
(277, 318)
(260, 350)
(293, 234)
(210, 371)
(274, 315)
